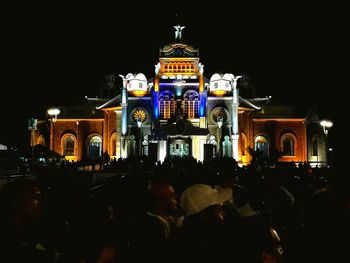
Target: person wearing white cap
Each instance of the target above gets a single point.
(202, 231)
(198, 197)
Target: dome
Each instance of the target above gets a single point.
(137, 84)
(220, 85)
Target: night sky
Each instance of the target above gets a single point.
(55, 54)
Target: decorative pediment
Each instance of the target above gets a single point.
(178, 50)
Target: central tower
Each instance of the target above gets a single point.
(179, 82)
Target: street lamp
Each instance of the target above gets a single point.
(219, 122)
(53, 113)
(139, 125)
(326, 125)
(139, 122)
(32, 126)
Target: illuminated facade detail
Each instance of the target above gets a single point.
(227, 147)
(139, 115)
(137, 84)
(166, 104)
(41, 140)
(180, 112)
(191, 104)
(113, 145)
(243, 148)
(261, 147)
(178, 32)
(220, 85)
(95, 147)
(68, 143)
(288, 142)
(131, 146)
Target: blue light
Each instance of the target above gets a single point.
(178, 91)
(156, 113)
(155, 105)
(202, 105)
(124, 121)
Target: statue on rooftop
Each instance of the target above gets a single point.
(178, 32)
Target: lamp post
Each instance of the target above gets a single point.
(219, 122)
(32, 126)
(139, 125)
(326, 125)
(53, 113)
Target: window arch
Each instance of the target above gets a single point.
(261, 146)
(190, 104)
(315, 145)
(94, 146)
(145, 145)
(41, 140)
(211, 139)
(226, 147)
(288, 142)
(69, 145)
(131, 146)
(243, 144)
(113, 144)
(167, 104)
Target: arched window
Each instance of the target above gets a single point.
(314, 145)
(113, 144)
(95, 147)
(161, 106)
(185, 107)
(288, 144)
(190, 104)
(226, 147)
(68, 143)
(145, 145)
(172, 107)
(131, 147)
(243, 144)
(261, 147)
(212, 140)
(41, 140)
(167, 104)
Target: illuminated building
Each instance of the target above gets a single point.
(180, 112)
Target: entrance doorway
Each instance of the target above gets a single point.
(179, 148)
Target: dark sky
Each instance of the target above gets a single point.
(55, 54)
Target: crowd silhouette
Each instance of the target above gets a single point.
(178, 210)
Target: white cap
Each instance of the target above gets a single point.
(198, 197)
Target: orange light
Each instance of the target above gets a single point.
(156, 84)
(219, 92)
(71, 158)
(201, 83)
(138, 93)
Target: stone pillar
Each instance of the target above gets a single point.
(234, 116)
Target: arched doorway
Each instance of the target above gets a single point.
(95, 147)
(261, 146)
(226, 147)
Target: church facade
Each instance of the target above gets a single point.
(180, 112)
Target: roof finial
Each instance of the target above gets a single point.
(178, 32)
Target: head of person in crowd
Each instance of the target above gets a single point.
(20, 212)
(21, 202)
(162, 199)
(260, 241)
(205, 202)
